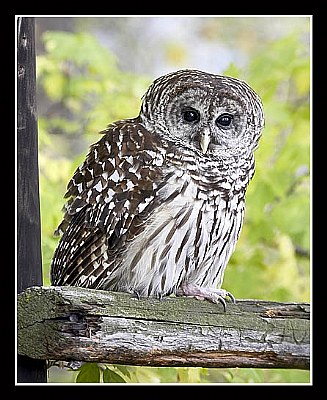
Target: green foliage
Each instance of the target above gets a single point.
(272, 256)
(108, 373)
(83, 90)
(110, 376)
(98, 373)
(105, 373)
(81, 76)
(89, 373)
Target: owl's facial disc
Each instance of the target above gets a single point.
(212, 115)
(204, 121)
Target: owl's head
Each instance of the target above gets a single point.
(212, 115)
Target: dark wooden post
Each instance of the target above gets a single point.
(29, 263)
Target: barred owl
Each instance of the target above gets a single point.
(157, 206)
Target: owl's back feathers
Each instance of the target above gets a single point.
(109, 196)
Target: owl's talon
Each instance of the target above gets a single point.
(223, 302)
(229, 294)
(214, 295)
(136, 295)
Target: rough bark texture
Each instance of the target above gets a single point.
(69, 323)
(29, 263)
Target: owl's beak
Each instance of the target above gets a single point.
(205, 140)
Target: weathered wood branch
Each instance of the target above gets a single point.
(69, 323)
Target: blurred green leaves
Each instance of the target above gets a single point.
(96, 373)
(86, 88)
(272, 256)
(88, 373)
(81, 89)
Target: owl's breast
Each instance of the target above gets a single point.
(182, 240)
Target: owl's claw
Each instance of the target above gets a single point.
(214, 295)
(136, 295)
(229, 294)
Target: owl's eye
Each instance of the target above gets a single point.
(191, 115)
(224, 120)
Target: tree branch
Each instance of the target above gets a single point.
(70, 323)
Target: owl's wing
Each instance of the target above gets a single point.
(109, 195)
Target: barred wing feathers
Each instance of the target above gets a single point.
(109, 197)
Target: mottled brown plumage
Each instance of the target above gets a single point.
(158, 204)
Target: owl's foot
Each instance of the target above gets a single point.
(214, 295)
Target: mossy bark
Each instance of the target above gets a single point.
(69, 323)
